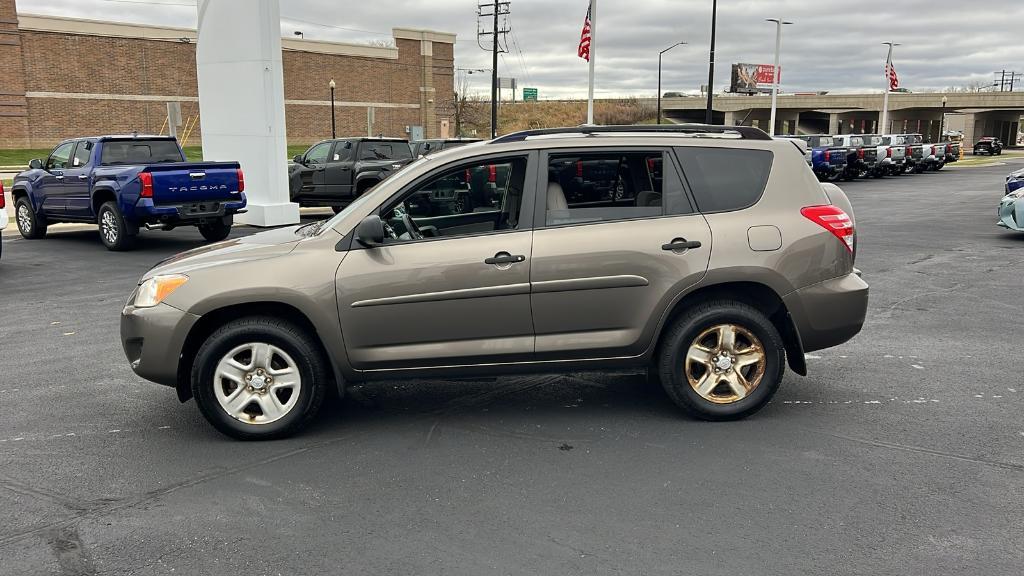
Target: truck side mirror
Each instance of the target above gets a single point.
(297, 159)
(35, 164)
(370, 232)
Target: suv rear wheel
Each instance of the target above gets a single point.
(721, 360)
(259, 378)
(215, 230)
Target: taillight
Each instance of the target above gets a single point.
(828, 155)
(579, 168)
(2, 201)
(833, 219)
(241, 180)
(909, 151)
(146, 179)
(860, 153)
(492, 173)
(933, 150)
(888, 152)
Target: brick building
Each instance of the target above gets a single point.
(62, 77)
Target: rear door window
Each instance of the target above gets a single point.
(605, 186)
(82, 154)
(725, 179)
(140, 152)
(385, 151)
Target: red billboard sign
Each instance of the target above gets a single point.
(751, 78)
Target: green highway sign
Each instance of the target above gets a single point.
(529, 94)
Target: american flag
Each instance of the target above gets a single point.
(584, 49)
(890, 73)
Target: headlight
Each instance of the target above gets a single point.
(157, 289)
(1016, 194)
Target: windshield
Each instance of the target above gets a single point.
(385, 151)
(140, 152)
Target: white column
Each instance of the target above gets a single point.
(241, 101)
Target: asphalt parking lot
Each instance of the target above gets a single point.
(901, 453)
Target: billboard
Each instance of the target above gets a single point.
(753, 78)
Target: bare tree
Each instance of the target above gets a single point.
(466, 110)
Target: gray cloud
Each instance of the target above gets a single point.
(834, 44)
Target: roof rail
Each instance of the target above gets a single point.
(746, 132)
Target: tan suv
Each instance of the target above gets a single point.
(710, 254)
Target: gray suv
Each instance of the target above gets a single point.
(709, 254)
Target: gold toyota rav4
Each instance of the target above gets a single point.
(708, 253)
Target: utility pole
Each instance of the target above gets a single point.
(711, 62)
(493, 10)
(660, 54)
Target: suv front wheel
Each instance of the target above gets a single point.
(259, 378)
(722, 360)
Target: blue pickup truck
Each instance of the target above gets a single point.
(124, 184)
(826, 159)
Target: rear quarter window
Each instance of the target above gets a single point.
(725, 179)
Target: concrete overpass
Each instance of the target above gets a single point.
(975, 113)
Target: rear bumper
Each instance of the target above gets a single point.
(153, 338)
(1011, 214)
(185, 213)
(830, 312)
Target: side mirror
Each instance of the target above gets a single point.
(35, 164)
(297, 159)
(370, 232)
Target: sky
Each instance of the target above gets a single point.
(833, 45)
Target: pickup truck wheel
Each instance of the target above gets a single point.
(114, 232)
(31, 225)
(215, 230)
(722, 360)
(259, 378)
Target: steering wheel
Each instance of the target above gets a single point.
(410, 226)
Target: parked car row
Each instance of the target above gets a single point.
(850, 156)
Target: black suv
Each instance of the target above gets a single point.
(335, 172)
(988, 145)
(424, 147)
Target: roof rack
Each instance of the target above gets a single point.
(746, 132)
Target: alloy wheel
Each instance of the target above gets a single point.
(24, 219)
(257, 383)
(725, 363)
(108, 227)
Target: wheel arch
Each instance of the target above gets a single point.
(366, 181)
(755, 294)
(101, 196)
(214, 319)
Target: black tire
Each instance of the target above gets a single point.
(215, 230)
(939, 166)
(694, 322)
(31, 225)
(303, 350)
(114, 231)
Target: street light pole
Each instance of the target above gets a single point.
(659, 75)
(334, 126)
(775, 72)
(711, 61)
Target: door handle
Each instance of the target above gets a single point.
(505, 258)
(681, 244)
(58, 176)
(83, 176)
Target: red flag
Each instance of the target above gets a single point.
(890, 73)
(584, 49)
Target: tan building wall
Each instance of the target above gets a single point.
(66, 77)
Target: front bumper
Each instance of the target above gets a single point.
(153, 339)
(829, 313)
(1011, 214)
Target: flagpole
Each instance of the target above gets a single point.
(593, 42)
(883, 125)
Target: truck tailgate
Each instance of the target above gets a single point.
(183, 182)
